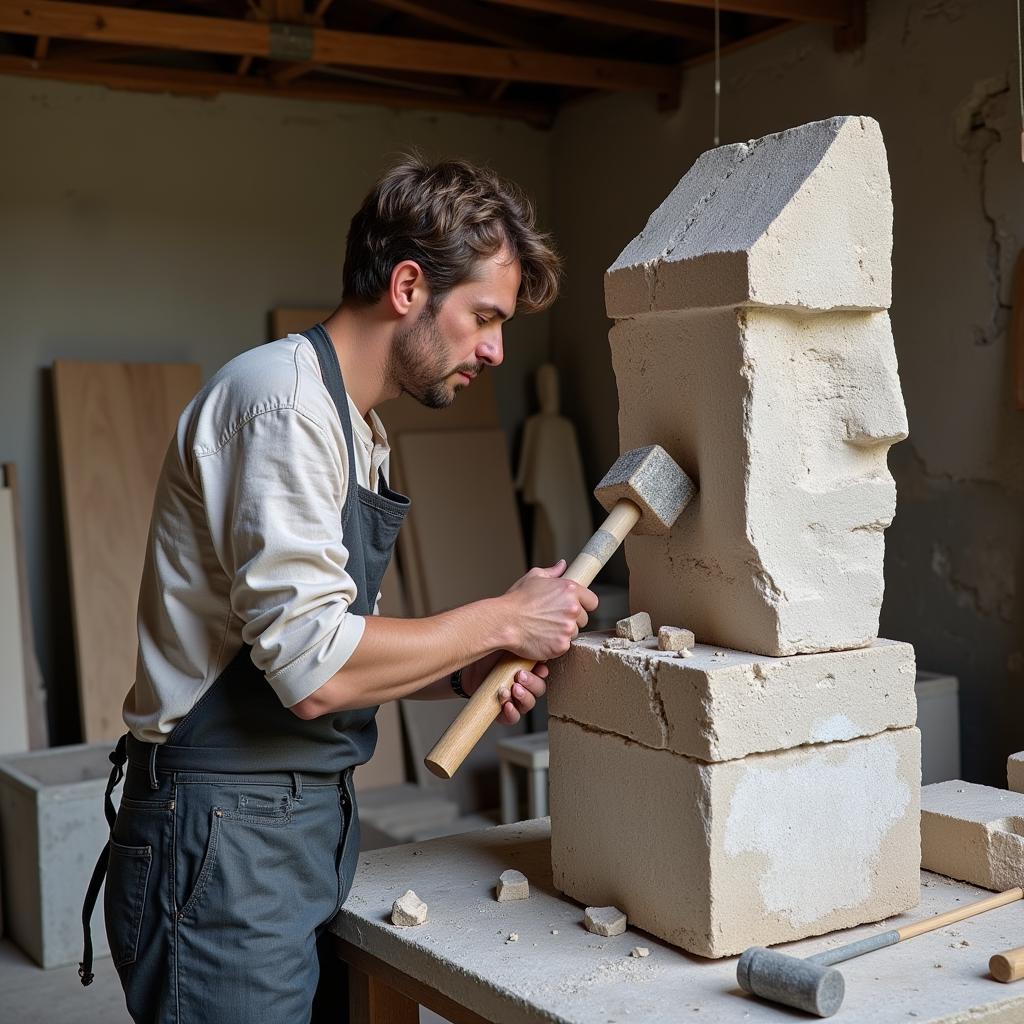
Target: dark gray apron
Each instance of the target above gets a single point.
(239, 725)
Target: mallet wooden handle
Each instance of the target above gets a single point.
(483, 707)
(1008, 966)
(941, 920)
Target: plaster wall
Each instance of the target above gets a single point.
(940, 77)
(158, 228)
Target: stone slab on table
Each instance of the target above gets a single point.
(574, 977)
(973, 832)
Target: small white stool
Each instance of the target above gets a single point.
(529, 752)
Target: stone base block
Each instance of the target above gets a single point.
(718, 857)
(973, 833)
(1015, 773)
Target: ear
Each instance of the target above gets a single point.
(407, 285)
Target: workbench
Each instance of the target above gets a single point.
(462, 964)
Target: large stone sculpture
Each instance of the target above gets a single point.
(752, 342)
(764, 786)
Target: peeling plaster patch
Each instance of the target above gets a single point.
(981, 123)
(949, 11)
(994, 588)
(805, 881)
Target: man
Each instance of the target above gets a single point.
(260, 664)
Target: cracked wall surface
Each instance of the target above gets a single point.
(940, 77)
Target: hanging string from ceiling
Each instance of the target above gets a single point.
(718, 71)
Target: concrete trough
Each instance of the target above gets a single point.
(52, 829)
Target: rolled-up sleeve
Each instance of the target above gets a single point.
(273, 493)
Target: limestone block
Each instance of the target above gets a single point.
(408, 910)
(973, 833)
(674, 638)
(512, 885)
(719, 708)
(636, 627)
(1015, 772)
(786, 420)
(801, 218)
(718, 857)
(606, 921)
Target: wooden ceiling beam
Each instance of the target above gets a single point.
(635, 15)
(62, 20)
(197, 83)
(465, 18)
(826, 12)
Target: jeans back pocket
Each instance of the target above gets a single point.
(124, 899)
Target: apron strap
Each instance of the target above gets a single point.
(118, 756)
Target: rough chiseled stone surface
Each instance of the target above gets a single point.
(718, 857)
(780, 396)
(802, 218)
(973, 833)
(719, 708)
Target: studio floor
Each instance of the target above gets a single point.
(34, 996)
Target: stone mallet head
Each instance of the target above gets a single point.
(645, 490)
(814, 985)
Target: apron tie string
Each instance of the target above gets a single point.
(118, 757)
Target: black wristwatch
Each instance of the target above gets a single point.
(455, 681)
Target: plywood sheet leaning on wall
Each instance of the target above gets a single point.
(114, 423)
(464, 522)
(387, 766)
(35, 687)
(14, 736)
(465, 534)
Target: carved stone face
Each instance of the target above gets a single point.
(784, 418)
(752, 342)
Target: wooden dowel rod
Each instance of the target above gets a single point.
(1000, 899)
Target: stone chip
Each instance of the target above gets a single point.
(635, 627)
(512, 885)
(408, 911)
(606, 921)
(674, 638)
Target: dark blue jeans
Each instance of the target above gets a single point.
(218, 894)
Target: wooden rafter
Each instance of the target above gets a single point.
(196, 83)
(463, 17)
(638, 16)
(62, 20)
(827, 12)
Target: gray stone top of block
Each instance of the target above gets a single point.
(718, 704)
(802, 218)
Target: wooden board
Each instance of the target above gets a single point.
(114, 424)
(464, 521)
(35, 687)
(294, 320)
(14, 719)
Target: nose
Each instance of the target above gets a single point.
(491, 350)
(881, 418)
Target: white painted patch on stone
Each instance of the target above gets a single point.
(804, 881)
(836, 727)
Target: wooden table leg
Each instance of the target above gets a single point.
(372, 1001)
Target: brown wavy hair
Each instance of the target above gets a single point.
(446, 217)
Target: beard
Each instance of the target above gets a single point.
(419, 365)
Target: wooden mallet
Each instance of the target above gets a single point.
(644, 491)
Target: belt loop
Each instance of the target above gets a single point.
(153, 783)
(297, 785)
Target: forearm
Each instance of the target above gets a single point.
(399, 657)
